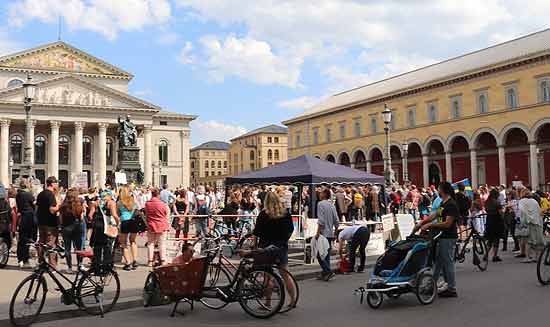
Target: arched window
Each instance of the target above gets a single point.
(40, 149)
(269, 154)
(512, 98)
(482, 103)
(163, 152)
(63, 150)
(206, 164)
(86, 150)
(110, 151)
(15, 82)
(252, 155)
(276, 155)
(16, 148)
(545, 91)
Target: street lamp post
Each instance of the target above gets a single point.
(405, 162)
(388, 172)
(29, 89)
(10, 165)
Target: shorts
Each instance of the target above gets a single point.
(47, 235)
(128, 226)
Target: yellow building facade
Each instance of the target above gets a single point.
(483, 116)
(209, 162)
(258, 149)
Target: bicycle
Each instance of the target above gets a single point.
(4, 252)
(88, 290)
(242, 234)
(479, 250)
(543, 266)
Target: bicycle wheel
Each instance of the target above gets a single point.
(152, 294)
(543, 266)
(246, 242)
(261, 293)
(28, 300)
(4, 253)
(98, 293)
(217, 277)
(291, 286)
(480, 253)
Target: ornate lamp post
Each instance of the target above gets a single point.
(405, 162)
(29, 89)
(388, 172)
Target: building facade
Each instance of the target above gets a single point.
(483, 116)
(78, 101)
(209, 162)
(258, 149)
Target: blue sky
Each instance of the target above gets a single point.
(242, 64)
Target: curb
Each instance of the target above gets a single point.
(133, 302)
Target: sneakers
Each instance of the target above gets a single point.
(329, 276)
(448, 293)
(21, 264)
(127, 267)
(134, 265)
(497, 259)
(519, 255)
(27, 265)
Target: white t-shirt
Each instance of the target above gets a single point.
(348, 232)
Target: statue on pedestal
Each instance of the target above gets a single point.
(127, 132)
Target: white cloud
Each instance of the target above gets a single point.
(168, 38)
(213, 130)
(249, 59)
(185, 57)
(303, 103)
(106, 17)
(7, 45)
(143, 93)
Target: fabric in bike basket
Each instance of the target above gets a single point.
(182, 280)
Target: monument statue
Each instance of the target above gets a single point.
(127, 132)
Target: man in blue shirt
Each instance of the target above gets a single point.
(166, 195)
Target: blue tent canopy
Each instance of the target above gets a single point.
(305, 170)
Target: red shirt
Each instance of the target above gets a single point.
(157, 213)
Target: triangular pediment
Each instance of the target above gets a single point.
(76, 91)
(60, 57)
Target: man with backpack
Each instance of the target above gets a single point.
(464, 203)
(27, 226)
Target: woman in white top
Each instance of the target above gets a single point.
(530, 228)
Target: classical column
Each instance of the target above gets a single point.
(53, 149)
(534, 167)
(425, 170)
(147, 155)
(185, 147)
(4, 151)
(473, 167)
(501, 165)
(448, 167)
(101, 166)
(369, 166)
(29, 139)
(77, 150)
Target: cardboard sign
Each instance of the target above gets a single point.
(81, 180)
(387, 222)
(405, 223)
(376, 244)
(120, 178)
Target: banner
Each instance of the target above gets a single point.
(120, 178)
(405, 223)
(387, 222)
(376, 244)
(81, 180)
(467, 187)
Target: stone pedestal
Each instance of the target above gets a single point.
(128, 162)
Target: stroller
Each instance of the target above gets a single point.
(405, 267)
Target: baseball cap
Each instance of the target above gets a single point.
(51, 180)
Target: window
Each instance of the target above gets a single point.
(357, 128)
(455, 107)
(342, 130)
(206, 164)
(276, 156)
(206, 174)
(192, 165)
(163, 179)
(219, 164)
(163, 123)
(225, 164)
(163, 152)
(432, 112)
(276, 139)
(511, 97)
(40, 149)
(328, 133)
(63, 150)
(545, 91)
(252, 166)
(86, 151)
(373, 124)
(392, 121)
(15, 82)
(269, 139)
(315, 136)
(269, 154)
(298, 140)
(251, 155)
(212, 164)
(40, 174)
(411, 117)
(110, 151)
(16, 148)
(482, 106)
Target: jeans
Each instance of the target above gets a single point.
(201, 226)
(325, 262)
(72, 238)
(412, 212)
(84, 231)
(103, 256)
(360, 240)
(27, 234)
(444, 260)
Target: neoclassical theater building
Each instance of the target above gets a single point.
(484, 115)
(74, 119)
